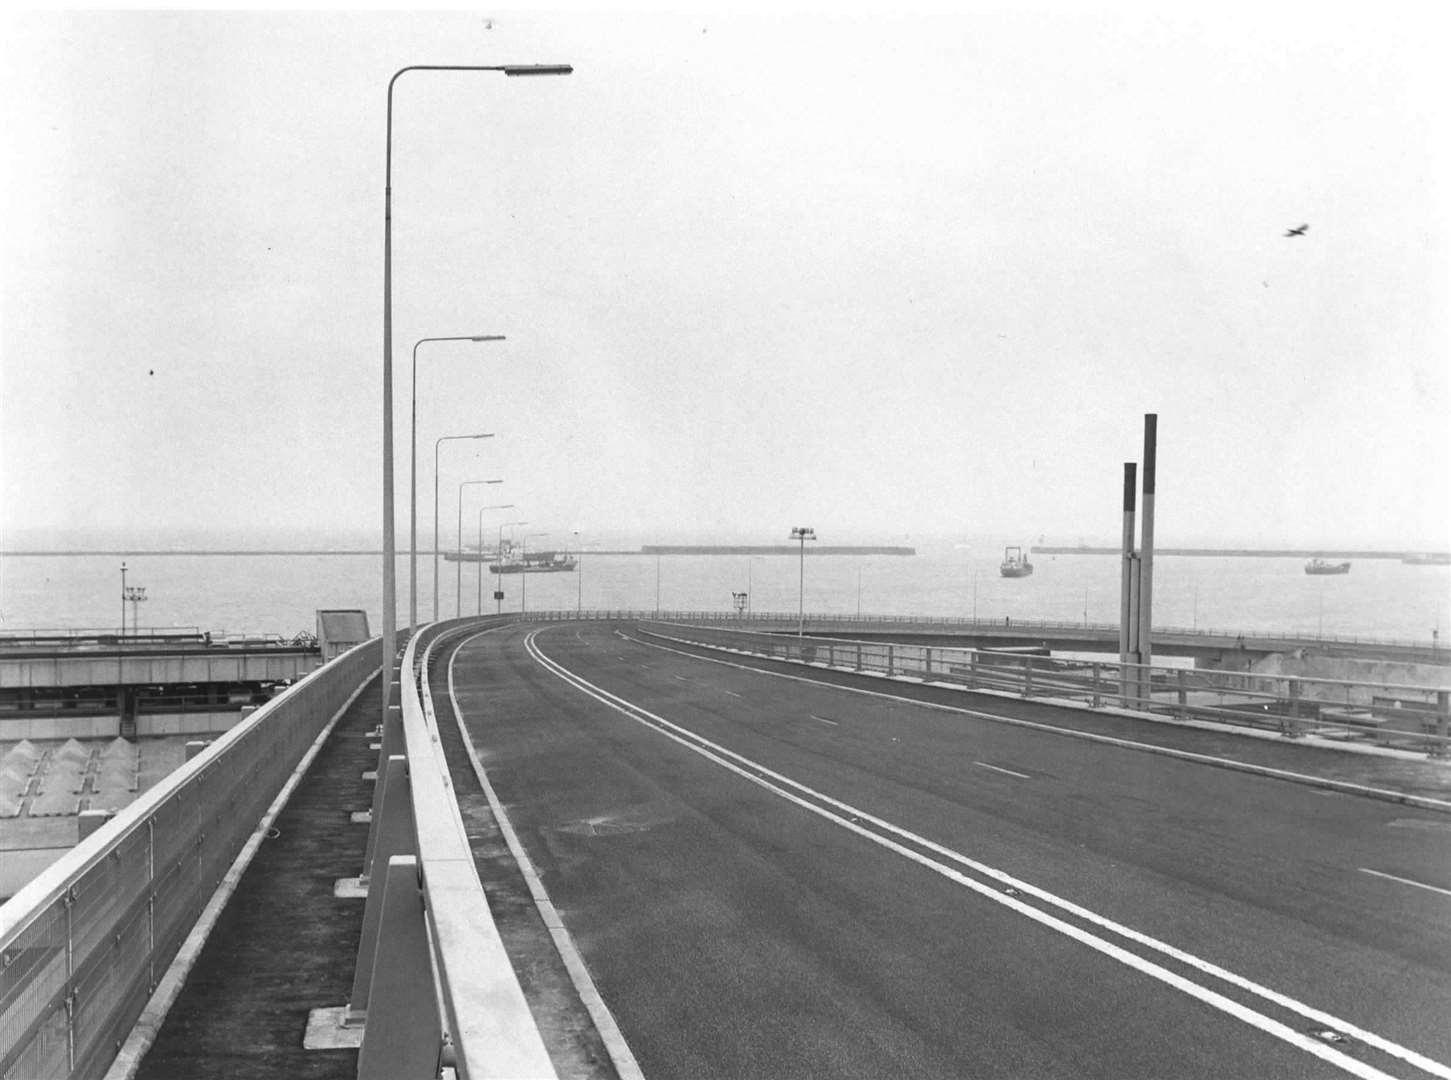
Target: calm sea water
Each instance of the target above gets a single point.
(281, 593)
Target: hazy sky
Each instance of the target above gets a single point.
(885, 275)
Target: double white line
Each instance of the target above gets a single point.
(1012, 892)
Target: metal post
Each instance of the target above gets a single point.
(1127, 646)
(1146, 548)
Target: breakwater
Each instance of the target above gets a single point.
(769, 549)
(1253, 553)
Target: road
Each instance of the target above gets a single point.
(770, 877)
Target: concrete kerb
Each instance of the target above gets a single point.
(148, 1024)
(1343, 786)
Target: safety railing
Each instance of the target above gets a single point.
(432, 981)
(83, 946)
(1014, 626)
(1391, 714)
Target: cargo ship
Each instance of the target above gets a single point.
(1321, 566)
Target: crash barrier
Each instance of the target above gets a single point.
(83, 946)
(432, 984)
(1412, 717)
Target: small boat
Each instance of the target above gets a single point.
(1015, 563)
(1320, 566)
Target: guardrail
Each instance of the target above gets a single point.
(432, 980)
(790, 620)
(1393, 714)
(83, 946)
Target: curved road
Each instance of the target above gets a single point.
(771, 877)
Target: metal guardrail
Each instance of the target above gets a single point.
(1416, 717)
(790, 620)
(83, 946)
(432, 973)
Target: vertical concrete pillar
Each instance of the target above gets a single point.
(403, 1036)
(395, 832)
(1443, 723)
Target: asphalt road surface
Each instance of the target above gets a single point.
(771, 877)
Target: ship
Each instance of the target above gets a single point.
(535, 562)
(1320, 566)
(1015, 563)
(513, 562)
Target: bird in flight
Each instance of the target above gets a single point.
(1298, 232)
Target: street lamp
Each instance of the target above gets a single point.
(802, 533)
(390, 545)
(524, 570)
(499, 564)
(135, 594)
(437, 444)
(495, 506)
(458, 584)
(578, 575)
(413, 485)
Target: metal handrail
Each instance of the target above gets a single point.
(84, 944)
(1295, 705)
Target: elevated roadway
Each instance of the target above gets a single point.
(768, 876)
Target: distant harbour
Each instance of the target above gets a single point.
(767, 549)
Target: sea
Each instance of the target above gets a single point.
(257, 592)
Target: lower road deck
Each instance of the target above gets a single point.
(774, 871)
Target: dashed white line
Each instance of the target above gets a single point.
(824, 720)
(852, 819)
(1407, 881)
(732, 693)
(1006, 772)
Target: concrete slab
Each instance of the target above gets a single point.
(350, 888)
(325, 1030)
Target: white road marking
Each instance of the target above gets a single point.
(851, 817)
(1408, 881)
(732, 693)
(824, 720)
(1008, 772)
(619, 1050)
(1338, 786)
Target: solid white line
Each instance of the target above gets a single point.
(824, 720)
(995, 768)
(719, 754)
(604, 1020)
(1408, 881)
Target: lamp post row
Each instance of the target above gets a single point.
(390, 544)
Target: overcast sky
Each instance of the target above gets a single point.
(886, 275)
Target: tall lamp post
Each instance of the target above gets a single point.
(495, 506)
(578, 575)
(524, 570)
(458, 585)
(390, 544)
(123, 600)
(499, 564)
(802, 533)
(413, 482)
(437, 445)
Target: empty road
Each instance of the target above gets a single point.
(767, 876)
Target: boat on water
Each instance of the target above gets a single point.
(1321, 566)
(1015, 563)
(535, 562)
